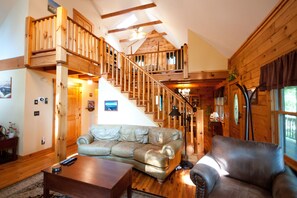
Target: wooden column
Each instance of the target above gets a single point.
(28, 41)
(61, 86)
(61, 111)
(61, 27)
(186, 61)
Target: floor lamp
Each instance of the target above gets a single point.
(185, 164)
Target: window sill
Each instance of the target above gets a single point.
(290, 162)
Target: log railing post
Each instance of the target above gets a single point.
(185, 61)
(101, 54)
(28, 41)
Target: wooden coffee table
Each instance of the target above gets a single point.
(90, 177)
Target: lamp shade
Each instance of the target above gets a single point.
(174, 112)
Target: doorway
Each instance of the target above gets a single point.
(74, 113)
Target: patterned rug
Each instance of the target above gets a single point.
(32, 187)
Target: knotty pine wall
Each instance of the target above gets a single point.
(274, 38)
(151, 45)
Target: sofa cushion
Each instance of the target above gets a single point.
(127, 134)
(161, 136)
(105, 132)
(125, 149)
(99, 147)
(243, 160)
(141, 135)
(151, 154)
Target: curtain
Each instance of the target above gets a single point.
(279, 73)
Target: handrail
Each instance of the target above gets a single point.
(143, 87)
(153, 52)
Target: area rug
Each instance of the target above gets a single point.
(32, 187)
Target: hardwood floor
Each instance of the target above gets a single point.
(178, 184)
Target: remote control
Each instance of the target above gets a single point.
(68, 161)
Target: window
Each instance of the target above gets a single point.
(171, 60)
(286, 115)
(219, 107)
(139, 59)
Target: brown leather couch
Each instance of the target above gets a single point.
(237, 168)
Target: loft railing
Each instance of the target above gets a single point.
(161, 61)
(41, 37)
(60, 33)
(291, 127)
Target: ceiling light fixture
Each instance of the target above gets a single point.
(137, 34)
(90, 82)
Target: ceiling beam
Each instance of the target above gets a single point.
(135, 26)
(153, 35)
(142, 7)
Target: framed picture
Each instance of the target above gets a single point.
(110, 105)
(5, 87)
(52, 6)
(91, 105)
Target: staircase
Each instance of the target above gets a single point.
(153, 97)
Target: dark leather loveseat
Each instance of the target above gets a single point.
(236, 168)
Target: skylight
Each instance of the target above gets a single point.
(127, 22)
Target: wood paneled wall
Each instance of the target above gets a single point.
(205, 95)
(151, 45)
(274, 38)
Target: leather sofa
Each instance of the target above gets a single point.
(153, 150)
(237, 168)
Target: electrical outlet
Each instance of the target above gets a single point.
(42, 140)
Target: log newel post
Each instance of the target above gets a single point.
(61, 31)
(28, 41)
(101, 54)
(185, 61)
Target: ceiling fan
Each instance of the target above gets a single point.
(137, 34)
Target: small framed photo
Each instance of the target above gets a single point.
(5, 87)
(110, 105)
(91, 105)
(52, 6)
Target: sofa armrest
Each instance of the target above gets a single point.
(205, 175)
(85, 139)
(285, 185)
(171, 148)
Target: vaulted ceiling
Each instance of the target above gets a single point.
(224, 24)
